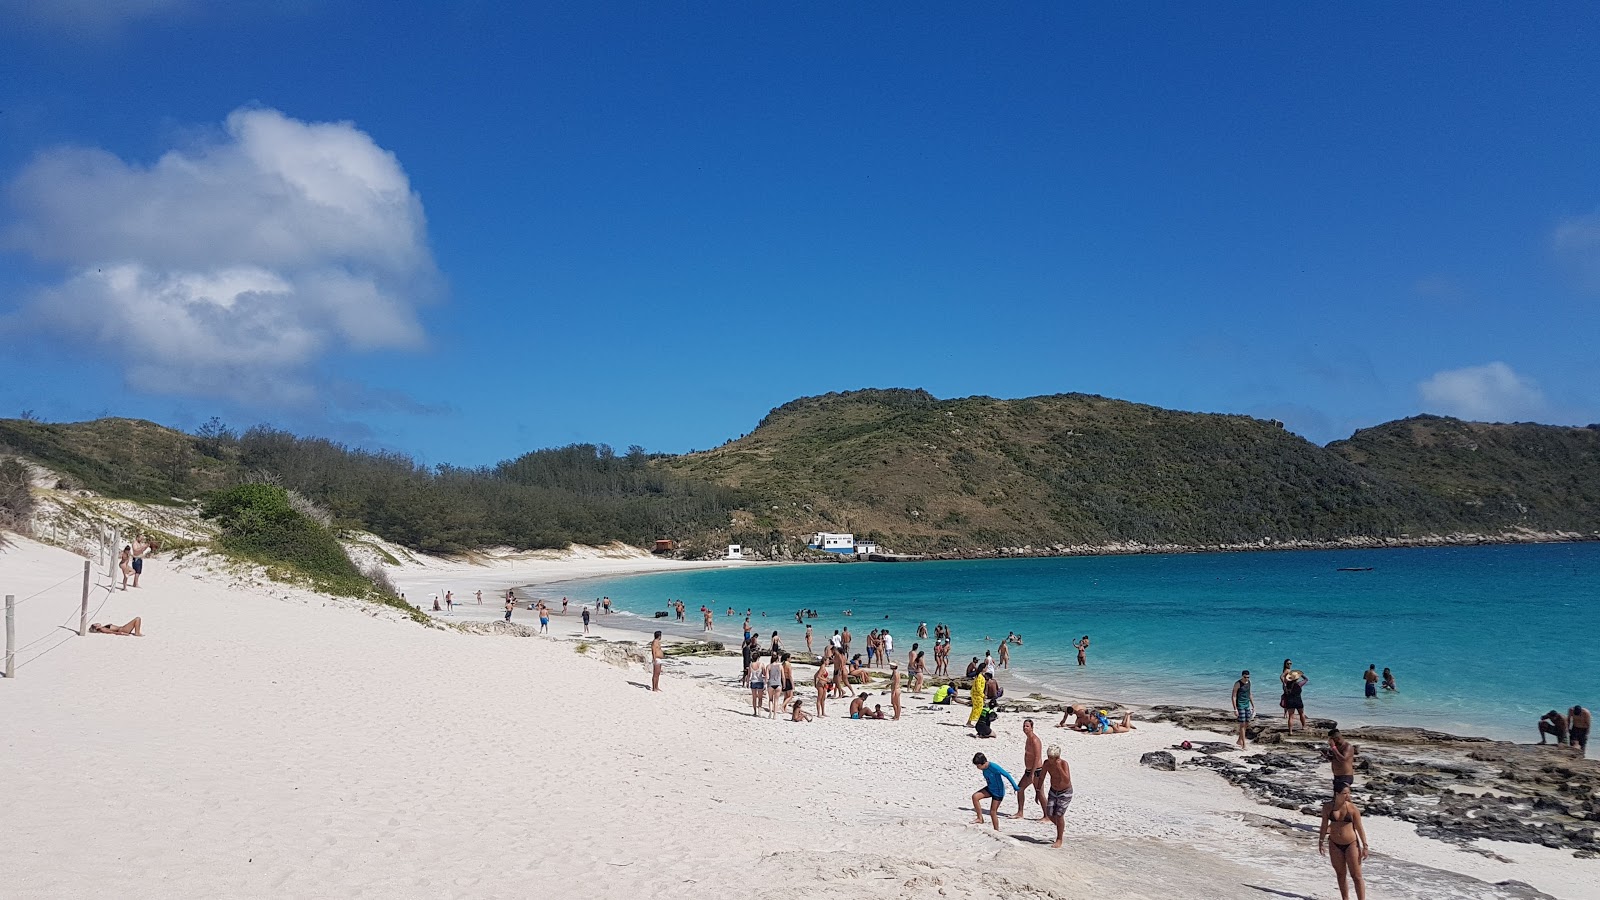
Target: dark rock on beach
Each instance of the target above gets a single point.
(1159, 759)
(1456, 789)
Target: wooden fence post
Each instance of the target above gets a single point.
(11, 636)
(83, 611)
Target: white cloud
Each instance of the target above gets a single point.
(1488, 393)
(231, 268)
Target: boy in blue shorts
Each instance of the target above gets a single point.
(994, 789)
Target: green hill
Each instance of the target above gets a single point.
(914, 472)
(1489, 475)
(920, 473)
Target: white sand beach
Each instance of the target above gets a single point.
(263, 741)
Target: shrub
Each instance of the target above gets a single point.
(260, 523)
(16, 496)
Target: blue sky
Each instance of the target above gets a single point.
(468, 230)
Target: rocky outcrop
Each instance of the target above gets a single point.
(1159, 759)
(1453, 788)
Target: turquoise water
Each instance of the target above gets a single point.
(1482, 640)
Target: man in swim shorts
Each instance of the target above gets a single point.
(994, 789)
(1371, 679)
(657, 660)
(1578, 729)
(1032, 773)
(1055, 806)
(1244, 704)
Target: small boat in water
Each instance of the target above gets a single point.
(1356, 569)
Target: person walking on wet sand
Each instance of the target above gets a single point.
(1371, 678)
(994, 789)
(1341, 827)
(1032, 771)
(657, 660)
(510, 605)
(585, 619)
(1243, 703)
(1005, 655)
(1083, 648)
(1060, 796)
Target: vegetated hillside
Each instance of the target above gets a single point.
(921, 474)
(547, 498)
(1538, 476)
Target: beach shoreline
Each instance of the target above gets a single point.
(264, 740)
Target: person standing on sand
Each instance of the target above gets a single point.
(844, 641)
(124, 563)
(823, 682)
(657, 660)
(544, 618)
(1060, 796)
(563, 606)
(1291, 701)
(774, 685)
(918, 668)
(977, 699)
(1243, 703)
(1578, 729)
(1341, 826)
(1083, 649)
(994, 789)
(894, 689)
(1341, 755)
(758, 684)
(788, 680)
(141, 547)
(510, 605)
(449, 603)
(585, 618)
(1371, 678)
(1032, 770)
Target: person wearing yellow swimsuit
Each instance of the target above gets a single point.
(977, 700)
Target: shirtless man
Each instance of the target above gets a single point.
(141, 549)
(1005, 655)
(1370, 677)
(134, 628)
(858, 707)
(1554, 724)
(1342, 755)
(1060, 775)
(1578, 729)
(1032, 773)
(657, 660)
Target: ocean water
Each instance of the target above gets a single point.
(1482, 640)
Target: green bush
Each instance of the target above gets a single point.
(16, 497)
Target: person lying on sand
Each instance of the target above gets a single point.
(134, 628)
(1082, 720)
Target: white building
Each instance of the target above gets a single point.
(735, 551)
(833, 543)
(865, 547)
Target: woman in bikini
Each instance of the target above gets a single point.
(1341, 826)
(132, 629)
(823, 682)
(125, 563)
(918, 669)
(775, 695)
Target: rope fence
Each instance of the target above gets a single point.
(89, 580)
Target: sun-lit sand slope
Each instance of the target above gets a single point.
(265, 742)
